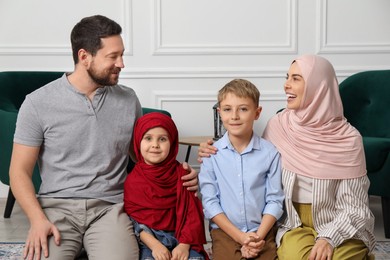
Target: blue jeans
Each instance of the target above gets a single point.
(146, 254)
(166, 238)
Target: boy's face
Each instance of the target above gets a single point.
(155, 145)
(238, 115)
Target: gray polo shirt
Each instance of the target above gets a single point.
(84, 144)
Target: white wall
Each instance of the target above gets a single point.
(179, 53)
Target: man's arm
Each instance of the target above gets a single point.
(190, 180)
(21, 169)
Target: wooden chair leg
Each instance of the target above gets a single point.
(386, 215)
(9, 204)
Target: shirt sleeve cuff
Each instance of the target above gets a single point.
(327, 239)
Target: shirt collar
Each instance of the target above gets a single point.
(254, 144)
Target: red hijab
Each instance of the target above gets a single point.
(154, 195)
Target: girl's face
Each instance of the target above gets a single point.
(155, 145)
(294, 87)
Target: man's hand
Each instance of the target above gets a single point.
(37, 239)
(190, 179)
(205, 149)
(322, 250)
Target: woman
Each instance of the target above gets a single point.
(324, 170)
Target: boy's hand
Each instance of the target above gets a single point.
(247, 253)
(205, 149)
(252, 245)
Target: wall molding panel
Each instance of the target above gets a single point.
(207, 73)
(355, 46)
(43, 49)
(162, 97)
(178, 54)
(288, 47)
(203, 72)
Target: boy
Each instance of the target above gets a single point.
(241, 185)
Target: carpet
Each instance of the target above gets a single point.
(382, 250)
(13, 251)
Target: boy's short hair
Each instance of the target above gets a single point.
(241, 88)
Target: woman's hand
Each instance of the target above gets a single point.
(322, 250)
(205, 149)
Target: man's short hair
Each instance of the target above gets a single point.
(87, 34)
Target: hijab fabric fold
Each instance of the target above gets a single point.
(316, 140)
(155, 195)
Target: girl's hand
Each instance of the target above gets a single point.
(160, 252)
(181, 252)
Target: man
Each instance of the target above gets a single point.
(79, 128)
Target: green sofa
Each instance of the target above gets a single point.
(15, 85)
(366, 100)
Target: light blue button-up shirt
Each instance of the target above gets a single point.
(243, 186)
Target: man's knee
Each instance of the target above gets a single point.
(67, 250)
(112, 237)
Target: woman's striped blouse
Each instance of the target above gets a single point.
(340, 209)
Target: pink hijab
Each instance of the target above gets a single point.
(316, 140)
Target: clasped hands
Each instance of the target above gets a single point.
(252, 245)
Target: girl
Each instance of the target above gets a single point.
(168, 218)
